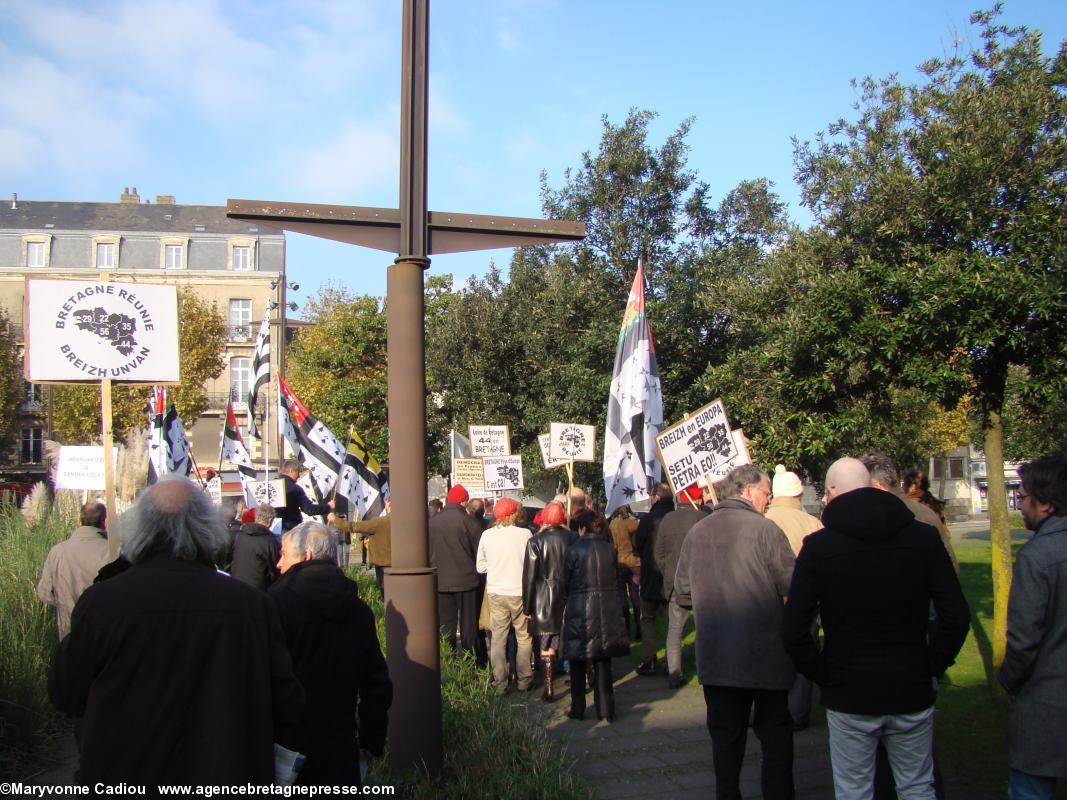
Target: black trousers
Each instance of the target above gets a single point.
(603, 689)
(461, 608)
(729, 709)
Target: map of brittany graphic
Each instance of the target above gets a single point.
(115, 329)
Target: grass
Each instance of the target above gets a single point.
(27, 638)
(491, 749)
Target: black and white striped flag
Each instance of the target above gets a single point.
(312, 442)
(168, 449)
(234, 450)
(260, 372)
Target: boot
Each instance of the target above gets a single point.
(647, 667)
(548, 669)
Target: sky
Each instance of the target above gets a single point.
(299, 101)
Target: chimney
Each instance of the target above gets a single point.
(14, 200)
(164, 199)
(129, 196)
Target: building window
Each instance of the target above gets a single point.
(173, 257)
(240, 320)
(242, 258)
(32, 444)
(172, 252)
(35, 255)
(105, 255)
(240, 379)
(955, 468)
(34, 393)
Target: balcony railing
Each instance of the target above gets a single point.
(216, 401)
(239, 333)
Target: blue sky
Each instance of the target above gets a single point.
(299, 101)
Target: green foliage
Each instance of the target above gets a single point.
(11, 382)
(337, 366)
(202, 345)
(490, 749)
(27, 636)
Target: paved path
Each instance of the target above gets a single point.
(659, 745)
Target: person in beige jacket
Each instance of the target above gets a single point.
(71, 566)
(787, 512)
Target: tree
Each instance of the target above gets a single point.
(201, 348)
(337, 365)
(538, 346)
(944, 206)
(12, 392)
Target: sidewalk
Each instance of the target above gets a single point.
(659, 745)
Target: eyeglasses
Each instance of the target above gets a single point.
(1020, 496)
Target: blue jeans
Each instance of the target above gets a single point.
(909, 740)
(1024, 786)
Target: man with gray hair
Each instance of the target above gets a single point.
(255, 551)
(336, 656)
(736, 566)
(180, 673)
(871, 575)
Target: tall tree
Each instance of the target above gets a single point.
(337, 365)
(201, 348)
(943, 240)
(12, 386)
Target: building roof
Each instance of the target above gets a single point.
(148, 217)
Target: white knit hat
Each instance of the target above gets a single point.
(786, 484)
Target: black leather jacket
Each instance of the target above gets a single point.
(543, 597)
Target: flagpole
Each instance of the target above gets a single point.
(266, 432)
(196, 469)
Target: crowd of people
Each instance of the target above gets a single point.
(202, 673)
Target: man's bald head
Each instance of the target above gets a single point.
(845, 475)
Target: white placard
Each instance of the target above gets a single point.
(696, 446)
(489, 440)
(742, 457)
(85, 331)
(502, 473)
(546, 459)
(213, 489)
(568, 441)
(271, 493)
(470, 474)
(82, 467)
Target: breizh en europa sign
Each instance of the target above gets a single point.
(88, 331)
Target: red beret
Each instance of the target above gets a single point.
(553, 514)
(457, 494)
(504, 507)
(691, 493)
(249, 515)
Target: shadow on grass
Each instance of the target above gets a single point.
(977, 581)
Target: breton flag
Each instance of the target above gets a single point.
(635, 409)
(234, 450)
(168, 449)
(260, 372)
(360, 486)
(312, 442)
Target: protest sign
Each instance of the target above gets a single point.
(502, 473)
(571, 442)
(489, 440)
(696, 446)
(469, 473)
(213, 489)
(271, 493)
(82, 467)
(89, 330)
(742, 457)
(546, 459)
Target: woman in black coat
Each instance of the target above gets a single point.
(594, 628)
(543, 596)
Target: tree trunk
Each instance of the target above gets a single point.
(999, 534)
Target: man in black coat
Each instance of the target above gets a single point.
(651, 578)
(871, 575)
(296, 499)
(453, 541)
(336, 656)
(181, 674)
(255, 551)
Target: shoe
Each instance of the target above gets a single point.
(675, 682)
(647, 667)
(572, 714)
(548, 664)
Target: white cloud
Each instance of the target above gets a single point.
(355, 166)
